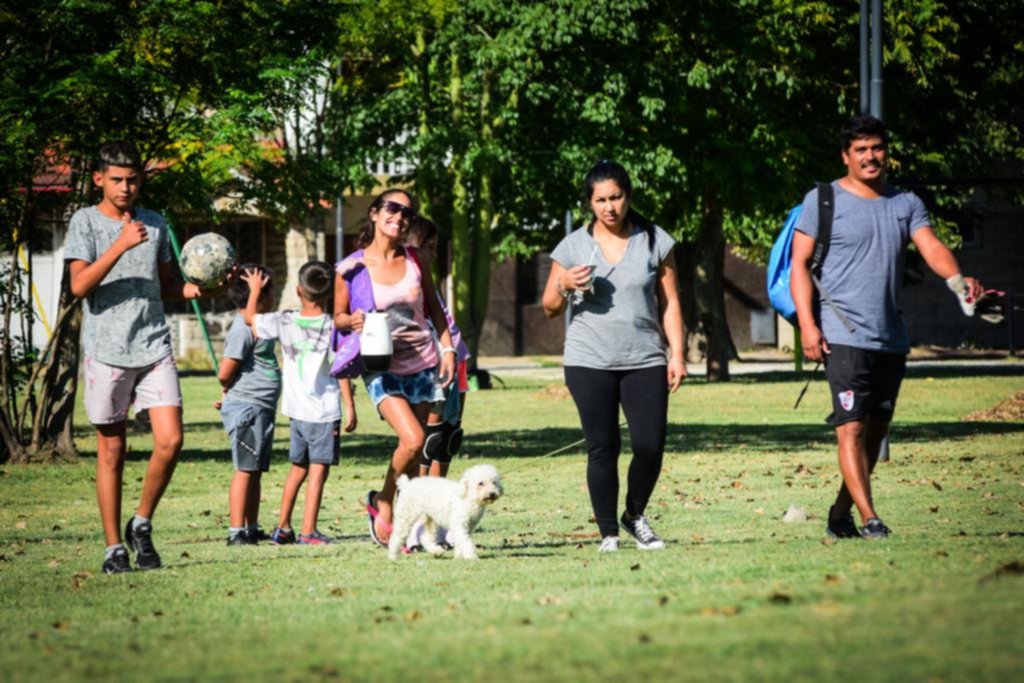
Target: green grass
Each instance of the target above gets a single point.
(738, 595)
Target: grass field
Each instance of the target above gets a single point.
(738, 595)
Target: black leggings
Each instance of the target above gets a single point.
(643, 395)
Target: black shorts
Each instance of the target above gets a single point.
(863, 383)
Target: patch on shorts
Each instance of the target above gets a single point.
(846, 400)
(885, 405)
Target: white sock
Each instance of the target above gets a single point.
(111, 549)
(139, 520)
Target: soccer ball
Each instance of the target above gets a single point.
(206, 259)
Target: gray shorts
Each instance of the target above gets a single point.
(109, 390)
(315, 442)
(251, 429)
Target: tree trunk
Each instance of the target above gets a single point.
(53, 439)
(695, 341)
(709, 289)
(462, 256)
(462, 243)
(298, 249)
(481, 276)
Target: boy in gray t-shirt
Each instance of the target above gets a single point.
(251, 379)
(119, 260)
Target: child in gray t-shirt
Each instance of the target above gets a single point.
(251, 381)
(120, 264)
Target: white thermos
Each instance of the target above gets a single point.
(375, 342)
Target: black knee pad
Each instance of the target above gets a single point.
(433, 445)
(452, 439)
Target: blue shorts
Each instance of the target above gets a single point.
(251, 429)
(318, 443)
(417, 388)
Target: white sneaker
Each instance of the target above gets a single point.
(609, 544)
(640, 529)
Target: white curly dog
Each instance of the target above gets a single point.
(455, 505)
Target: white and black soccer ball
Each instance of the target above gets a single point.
(206, 259)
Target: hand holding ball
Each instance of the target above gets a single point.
(206, 260)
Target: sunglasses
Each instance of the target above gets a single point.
(395, 207)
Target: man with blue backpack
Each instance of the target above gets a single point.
(857, 269)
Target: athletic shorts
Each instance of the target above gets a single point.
(251, 429)
(419, 387)
(318, 443)
(109, 390)
(863, 383)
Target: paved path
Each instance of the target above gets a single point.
(522, 366)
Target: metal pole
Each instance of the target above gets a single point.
(884, 450)
(339, 223)
(568, 306)
(865, 93)
(798, 350)
(339, 229)
(876, 59)
(1011, 345)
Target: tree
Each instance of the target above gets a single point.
(75, 76)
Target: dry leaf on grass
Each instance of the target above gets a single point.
(1010, 410)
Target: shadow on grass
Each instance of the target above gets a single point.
(703, 437)
(681, 438)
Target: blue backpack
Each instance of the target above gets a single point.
(780, 263)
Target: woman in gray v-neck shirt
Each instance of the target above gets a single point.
(623, 346)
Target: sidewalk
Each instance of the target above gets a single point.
(549, 368)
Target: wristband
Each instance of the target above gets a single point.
(562, 292)
(449, 349)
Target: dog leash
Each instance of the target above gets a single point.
(558, 450)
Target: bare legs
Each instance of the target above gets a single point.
(859, 442)
(244, 498)
(408, 423)
(110, 452)
(317, 475)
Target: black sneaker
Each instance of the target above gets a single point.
(875, 530)
(842, 527)
(140, 539)
(640, 529)
(117, 563)
(240, 538)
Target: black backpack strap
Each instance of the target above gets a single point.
(826, 214)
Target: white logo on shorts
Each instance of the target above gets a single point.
(846, 400)
(886, 405)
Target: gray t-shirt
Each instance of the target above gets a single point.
(258, 380)
(617, 326)
(123, 323)
(863, 269)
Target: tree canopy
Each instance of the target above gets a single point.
(724, 111)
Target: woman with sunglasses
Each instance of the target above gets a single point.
(404, 392)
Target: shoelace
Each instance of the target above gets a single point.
(643, 530)
(144, 537)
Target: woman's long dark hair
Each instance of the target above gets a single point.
(366, 231)
(611, 170)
